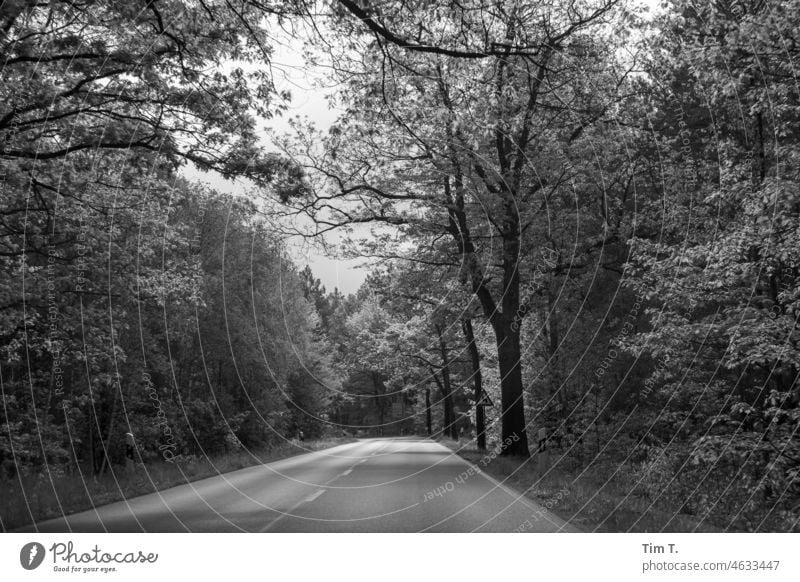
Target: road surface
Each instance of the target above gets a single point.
(374, 485)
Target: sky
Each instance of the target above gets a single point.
(307, 86)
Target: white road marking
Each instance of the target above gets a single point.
(313, 496)
(346, 473)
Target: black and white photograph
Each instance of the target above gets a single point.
(399, 267)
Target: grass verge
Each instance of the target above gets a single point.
(37, 497)
(594, 500)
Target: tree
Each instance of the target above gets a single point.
(436, 141)
(160, 76)
(721, 280)
(477, 379)
(101, 102)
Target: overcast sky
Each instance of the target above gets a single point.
(308, 100)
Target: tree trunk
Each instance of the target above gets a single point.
(447, 422)
(447, 389)
(505, 321)
(559, 392)
(477, 378)
(110, 433)
(428, 410)
(513, 434)
(507, 329)
(380, 404)
(92, 451)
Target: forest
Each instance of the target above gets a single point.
(580, 216)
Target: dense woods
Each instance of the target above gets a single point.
(581, 212)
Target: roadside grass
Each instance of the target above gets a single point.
(595, 500)
(36, 497)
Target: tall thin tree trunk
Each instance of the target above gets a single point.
(428, 411)
(110, 433)
(447, 420)
(559, 392)
(380, 403)
(449, 408)
(92, 452)
(477, 378)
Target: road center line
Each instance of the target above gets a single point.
(313, 496)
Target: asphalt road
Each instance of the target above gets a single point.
(375, 485)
